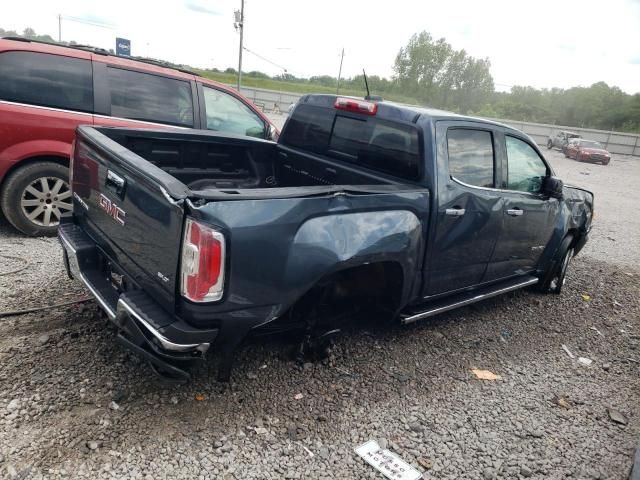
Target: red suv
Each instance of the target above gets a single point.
(47, 90)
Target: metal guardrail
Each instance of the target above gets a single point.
(616, 142)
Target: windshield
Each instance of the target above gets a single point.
(590, 144)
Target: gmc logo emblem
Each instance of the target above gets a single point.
(112, 209)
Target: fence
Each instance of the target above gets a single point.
(615, 142)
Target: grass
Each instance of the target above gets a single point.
(293, 87)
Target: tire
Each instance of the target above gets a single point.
(33, 197)
(553, 280)
(549, 144)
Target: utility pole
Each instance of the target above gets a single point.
(59, 28)
(340, 71)
(240, 24)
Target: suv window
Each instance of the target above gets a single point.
(226, 113)
(46, 80)
(471, 158)
(381, 145)
(142, 96)
(526, 168)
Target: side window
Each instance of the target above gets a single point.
(46, 80)
(471, 158)
(142, 96)
(526, 168)
(226, 113)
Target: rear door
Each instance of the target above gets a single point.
(130, 98)
(528, 216)
(125, 203)
(469, 206)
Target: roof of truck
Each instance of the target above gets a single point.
(400, 111)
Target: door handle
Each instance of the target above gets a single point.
(115, 183)
(455, 212)
(515, 212)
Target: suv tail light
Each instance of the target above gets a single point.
(202, 270)
(357, 106)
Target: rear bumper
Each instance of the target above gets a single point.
(143, 325)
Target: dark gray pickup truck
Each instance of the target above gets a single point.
(191, 241)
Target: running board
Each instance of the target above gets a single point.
(445, 305)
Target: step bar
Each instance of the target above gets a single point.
(473, 297)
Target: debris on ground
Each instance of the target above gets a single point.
(597, 331)
(562, 402)
(298, 396)
(617, 417)
(485, 374)
(199, 397)
(387, 462)
(586, 298)
(585, 361)
(568, 352)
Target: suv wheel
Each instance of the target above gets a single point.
(34, 198)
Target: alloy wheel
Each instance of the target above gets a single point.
(45, 200)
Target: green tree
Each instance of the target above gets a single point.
(439, 75)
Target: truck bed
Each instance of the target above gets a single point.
(232, 164)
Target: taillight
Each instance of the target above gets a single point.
(357, 106)
(202, 275)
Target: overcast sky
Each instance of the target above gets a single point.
(546, 43)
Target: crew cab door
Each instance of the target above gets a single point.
(469, 210)
(528, 215)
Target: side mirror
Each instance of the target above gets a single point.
(552, 187)
(271, 133)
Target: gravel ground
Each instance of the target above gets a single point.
(75, 405)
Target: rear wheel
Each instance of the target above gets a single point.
(554, 280)
(34, 197)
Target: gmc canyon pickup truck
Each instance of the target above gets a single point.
(191, 241)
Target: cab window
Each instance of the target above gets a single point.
(226, 113)
(526, 170)
(471, 157)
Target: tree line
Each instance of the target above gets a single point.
(431, 72)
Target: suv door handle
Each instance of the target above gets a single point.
(455, 212)
(515, 212)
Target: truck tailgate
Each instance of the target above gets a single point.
(129, 208)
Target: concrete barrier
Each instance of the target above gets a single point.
(615, 142)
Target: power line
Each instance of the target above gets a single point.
(266, 59)
(87, 22)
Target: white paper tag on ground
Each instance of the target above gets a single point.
(386, 462)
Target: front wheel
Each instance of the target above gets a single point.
(554, 280)
(35, 196)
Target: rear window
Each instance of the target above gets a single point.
(46, 80)
(142, 96)
(367, 141)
